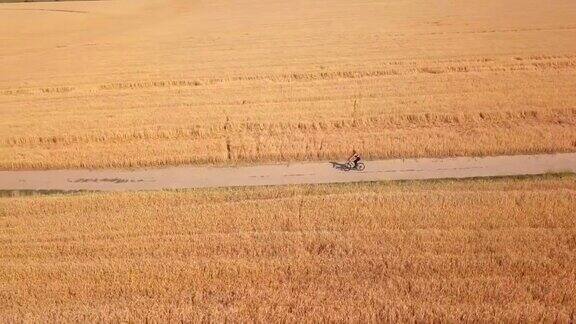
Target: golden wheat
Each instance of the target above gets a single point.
(473, 250)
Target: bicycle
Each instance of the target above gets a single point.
(350, 166)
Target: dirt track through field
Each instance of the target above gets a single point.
(283, 174)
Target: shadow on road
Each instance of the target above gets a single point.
(339, 166)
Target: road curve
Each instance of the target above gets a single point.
(283, 174)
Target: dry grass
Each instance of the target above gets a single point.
(490, 250)
(134, 83)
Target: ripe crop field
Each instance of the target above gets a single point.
(477, 250)
(166, 82)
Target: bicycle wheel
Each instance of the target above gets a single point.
(360, 166)
(347, 167)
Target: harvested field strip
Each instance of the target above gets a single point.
(446, 251)
(515, 64)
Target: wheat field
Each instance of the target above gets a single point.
(166, 82)
(501, 250)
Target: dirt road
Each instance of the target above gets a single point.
(282, 174)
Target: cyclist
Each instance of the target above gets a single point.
(354, 158)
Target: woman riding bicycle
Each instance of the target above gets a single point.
(355, 158)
